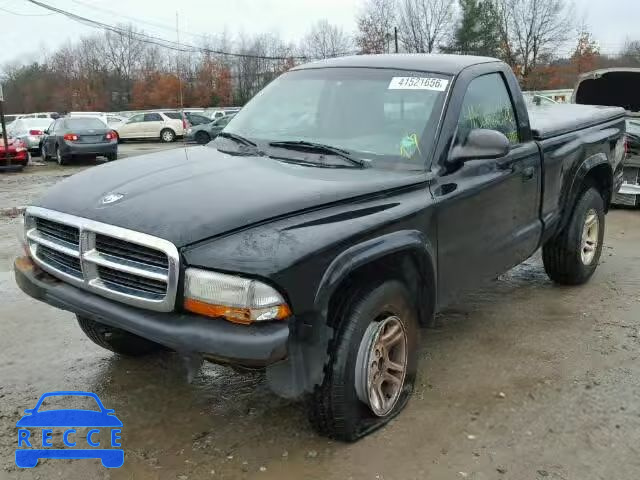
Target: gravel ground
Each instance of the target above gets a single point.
(522, 380)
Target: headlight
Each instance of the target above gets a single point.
(188, 131)
(237, 299)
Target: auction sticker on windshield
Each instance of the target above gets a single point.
(418, 83)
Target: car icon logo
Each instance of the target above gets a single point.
(111, 198)
(33, 447)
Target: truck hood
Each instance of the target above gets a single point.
(189, 195)
(614, 87)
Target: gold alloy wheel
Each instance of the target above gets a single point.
(590, 237)
(382, 365)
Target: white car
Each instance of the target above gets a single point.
(30, 131)
(166, 126)
(110, 119)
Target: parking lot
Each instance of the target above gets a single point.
(522, 380)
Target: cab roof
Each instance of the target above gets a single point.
(436, 63)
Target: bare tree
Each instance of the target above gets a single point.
(124, 52)
(325, 40)
(252, 72)
(376, 22)
(533, 29)
(424, 24)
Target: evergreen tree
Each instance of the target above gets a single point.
(478, 31)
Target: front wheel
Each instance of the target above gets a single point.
(117, 340)
(371, 366)
(572, 256)
(111, 157)
(167, 135)
(202, 138)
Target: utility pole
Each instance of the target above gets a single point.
(395, 35)
(178, 63)
(3, 125)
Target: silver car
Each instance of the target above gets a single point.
(30, 131)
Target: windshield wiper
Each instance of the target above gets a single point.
(237, 138)
(319, 147)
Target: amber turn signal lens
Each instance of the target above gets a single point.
(244, 316)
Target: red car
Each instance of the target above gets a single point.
(17, 156)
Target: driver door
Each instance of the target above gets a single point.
(488, 210)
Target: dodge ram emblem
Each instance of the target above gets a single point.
(111, 198)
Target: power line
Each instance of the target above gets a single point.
(26, 14)
(176, 46)
(138, 20)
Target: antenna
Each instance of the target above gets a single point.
(178, 62)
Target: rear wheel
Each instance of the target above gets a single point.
(43, 153)
(61, 159)
(112, 156)
(167, 135)
(372, 364)
(117, 340)
(571, 257)
(202, 138)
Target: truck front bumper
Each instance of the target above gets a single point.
(216, 339)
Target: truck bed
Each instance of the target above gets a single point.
(549, 121)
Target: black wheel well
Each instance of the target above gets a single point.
(408, 267)
(600, 177)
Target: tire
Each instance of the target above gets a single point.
(202, 138)
(167, 135)
(111, 157)
(61, 159)
(117, 340)
(43, 153)
(568, 258)
(337, 408)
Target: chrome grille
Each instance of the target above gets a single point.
(129, 251)
(127, 281)
(67, 264)
(121, 264)
(58, 230)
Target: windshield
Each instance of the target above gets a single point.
(91, 123)
(384, 117)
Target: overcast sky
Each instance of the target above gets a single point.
(27, 37)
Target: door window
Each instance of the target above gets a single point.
(487, 105)
(136, 119)
(152, 117)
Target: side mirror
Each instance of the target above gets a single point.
(46, 131)
(481, 144)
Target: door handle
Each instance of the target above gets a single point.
(528, 173)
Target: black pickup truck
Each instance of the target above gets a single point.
(344, 205)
